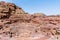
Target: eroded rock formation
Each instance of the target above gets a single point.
(16, 24)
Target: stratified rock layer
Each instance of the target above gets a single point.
(15, 24)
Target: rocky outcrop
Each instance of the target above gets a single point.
(7, 9)
(16, 24)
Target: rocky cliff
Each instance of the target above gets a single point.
(16, 24)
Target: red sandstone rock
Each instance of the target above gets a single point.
(15, 24)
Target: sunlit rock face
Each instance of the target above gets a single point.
(16, 24)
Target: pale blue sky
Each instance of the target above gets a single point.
(48, 7)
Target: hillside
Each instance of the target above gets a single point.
(16, 24)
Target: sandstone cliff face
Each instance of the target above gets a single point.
(15, 24)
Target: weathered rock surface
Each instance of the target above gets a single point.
(15, 24)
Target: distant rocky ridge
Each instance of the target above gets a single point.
(16, 24)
